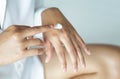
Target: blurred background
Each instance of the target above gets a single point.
(97, 21)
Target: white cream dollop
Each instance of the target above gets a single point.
(58, 26)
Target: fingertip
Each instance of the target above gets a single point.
(47, 59)
(83, 65)
(87, 51)
(64, 68)
(75, 68)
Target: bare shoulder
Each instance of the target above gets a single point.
(104, 51)
(104, 60)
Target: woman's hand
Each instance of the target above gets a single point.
(66, 37)
(15, 42)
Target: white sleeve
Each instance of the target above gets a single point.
(37, 17)
(0, 30)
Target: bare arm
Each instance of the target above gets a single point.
(67, 37)
(100, 65)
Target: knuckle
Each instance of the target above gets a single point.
(16, 35)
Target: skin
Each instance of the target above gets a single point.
(104, 63)
(16, 39)
(66, 37)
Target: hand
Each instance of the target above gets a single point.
(66, 37)
(15, 41)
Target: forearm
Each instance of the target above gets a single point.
(53, 16)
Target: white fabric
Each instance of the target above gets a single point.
(21, 12)
(2, 11)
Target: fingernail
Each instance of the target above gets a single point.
(75, 69)
(83, 65)
(46, 61)
(63, 68)
(88, 51)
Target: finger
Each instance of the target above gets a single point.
(81, 58)
(60, 52)
(33, 52)
(33, 42)
(79, 53)
(83, 45)
(70, 48)
(48, 51)
(35, 30)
